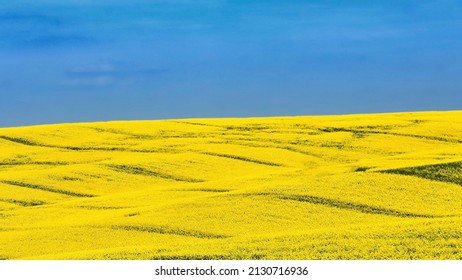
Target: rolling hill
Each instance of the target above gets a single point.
(377, 186)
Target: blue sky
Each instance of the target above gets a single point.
(83, 60)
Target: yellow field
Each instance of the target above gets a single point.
(384, 186)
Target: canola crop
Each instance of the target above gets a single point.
(378, 186)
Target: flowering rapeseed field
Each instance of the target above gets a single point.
(382, 186)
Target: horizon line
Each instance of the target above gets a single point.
(231, 117)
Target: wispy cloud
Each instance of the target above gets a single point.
(38, 30)
(17, 19)
(107, 74)
(96, 81)
(55, 40)
(113, 69)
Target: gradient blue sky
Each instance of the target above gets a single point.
(84, 60)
